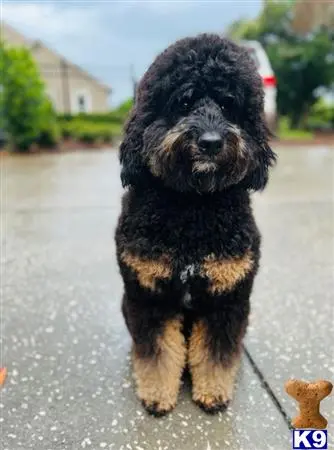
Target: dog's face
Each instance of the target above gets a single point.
(197, 123)
(197, 142)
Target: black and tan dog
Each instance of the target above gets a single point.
(195, 145)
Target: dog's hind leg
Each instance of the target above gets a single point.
(159, 354)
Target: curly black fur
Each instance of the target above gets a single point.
(185, 202)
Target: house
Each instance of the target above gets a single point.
(309, 15)
(70, 88)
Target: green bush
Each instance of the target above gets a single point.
(49, 135)
(89, 132)
(116, 116)
(124, 108)
(28, 114)
(285, 131)
(321, 116)
(65, 129)
(88, 135)
(109, 117)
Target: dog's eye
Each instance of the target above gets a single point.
(227, 103)
(185, 105)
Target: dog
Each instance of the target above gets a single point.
(195, 146)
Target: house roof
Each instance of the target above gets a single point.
(38, 44)
(35, 44)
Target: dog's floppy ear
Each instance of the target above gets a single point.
(130, 151)
(264, 158)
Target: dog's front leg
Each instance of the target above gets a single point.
(159, 350)
(159, 354)
(214, 357)
(158, 375)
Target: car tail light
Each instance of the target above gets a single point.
(269, 81)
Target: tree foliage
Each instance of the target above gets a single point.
(27, 114)
(302, 63)
(125, 107)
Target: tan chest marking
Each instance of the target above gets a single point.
(148, 270)
(224, 274)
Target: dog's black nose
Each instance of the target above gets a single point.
(210, 142)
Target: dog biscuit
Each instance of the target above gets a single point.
(309, 396)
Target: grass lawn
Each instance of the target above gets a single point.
(297, 135)
(285, 132)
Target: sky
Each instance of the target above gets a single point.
(108, 38)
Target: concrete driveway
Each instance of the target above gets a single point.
(64, 341)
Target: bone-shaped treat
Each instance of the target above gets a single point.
(309, 396)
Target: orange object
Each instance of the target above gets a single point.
(309, 396)
(3, 375)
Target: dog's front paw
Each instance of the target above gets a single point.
(157, 398)
(159, 407)
(212, 403)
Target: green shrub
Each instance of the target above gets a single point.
(67, 129)
(49, 134)
(124, 108)
(116, 129)
(321, 116)
(89, 132)
(285, 131)
(28, 114)
(110, 117)
(92, 133)
(88, 136)
(116, 116)
(49, 137)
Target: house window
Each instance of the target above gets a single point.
(82, 101)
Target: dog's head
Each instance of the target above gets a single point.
(198, 122)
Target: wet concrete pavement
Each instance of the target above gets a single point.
(64, 341)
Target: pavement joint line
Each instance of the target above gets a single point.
(268, 389)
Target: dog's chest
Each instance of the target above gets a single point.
(186, 276)
(192, 238)
(188, 229)
(189, 249)
(215, 275)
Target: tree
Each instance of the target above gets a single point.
(301, 68)
(273, 23)
(27, 114)
(302, 63)
(124, 107)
